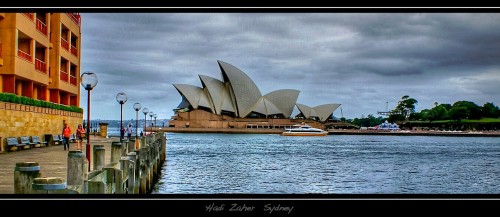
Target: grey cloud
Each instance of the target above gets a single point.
(358, 60)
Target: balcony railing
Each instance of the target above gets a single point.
(31, 16)
(74, 51)
(64, 44)
(40, 65)
(64, 76)
(75, 17)
(41, 26)
(72, 80)
(24, 55)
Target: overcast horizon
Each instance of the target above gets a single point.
(359, 60)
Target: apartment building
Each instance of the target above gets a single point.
(40, 56)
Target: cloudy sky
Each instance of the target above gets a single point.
(361, 61)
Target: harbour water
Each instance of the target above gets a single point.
(344, 164)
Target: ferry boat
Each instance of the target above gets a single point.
(304, 130)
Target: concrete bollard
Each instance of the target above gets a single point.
(143, 142)
(124, 164)
(50, 185)
(131, 178)
(144, 157)
(99, 152)
(116, 152)
(24, 174)
(124, 147)
(163, 148)
(143, 187)
(77, 168)
(131, 145)
(133, 157)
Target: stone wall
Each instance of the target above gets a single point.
(21, 120)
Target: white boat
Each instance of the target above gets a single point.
(304, 130)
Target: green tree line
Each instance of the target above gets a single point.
(461, 110)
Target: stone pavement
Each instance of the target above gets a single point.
(53, 160)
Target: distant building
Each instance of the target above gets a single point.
(236, 96)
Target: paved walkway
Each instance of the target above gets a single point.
(52, 160)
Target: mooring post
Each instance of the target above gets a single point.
(77, 168)
(116, 152)
(24, 174)
(137, 168)
(99, 152)
(131, 145)
(49, 185)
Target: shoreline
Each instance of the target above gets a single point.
(333, 132)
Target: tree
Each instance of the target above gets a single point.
(440, 112)
(458, 113)
(473, 111)
(404, 109)
(489, 110)
(423, 115)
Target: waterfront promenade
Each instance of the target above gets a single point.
(53, 160)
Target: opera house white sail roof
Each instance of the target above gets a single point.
(238, 94)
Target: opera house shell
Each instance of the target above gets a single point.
(237, 96)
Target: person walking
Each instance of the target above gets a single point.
(122, 133)
(80, 133)
(129, 131)
(66, 134)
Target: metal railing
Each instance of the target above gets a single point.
(31, 16)
(41, 26)
(75, 17)
(64, 44)
(74, 51)
(40, 65)
(24, 55)
(64, 76)
(72, 80)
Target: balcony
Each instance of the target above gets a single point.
(75, 17)
(24, 55)
(30, 16)
(41, 27)
(64, 44)
(64, 76)
(74, 51)
(72, 80)
(40, 66)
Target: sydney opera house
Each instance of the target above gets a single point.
(236, 102)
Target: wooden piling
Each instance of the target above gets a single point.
(77, 168)
(24, 174)
(131, 145)
(49, 185)
(99, 152)
(116, 152)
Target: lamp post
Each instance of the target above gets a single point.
(145, 111)
(155, 116)
(137, 107)
(121, 98)
(151, 115)
(88, 80)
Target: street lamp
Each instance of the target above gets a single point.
(145, 111)
(151, 115)
(137, 107)
(155, 116)
(88, 80)
(121, 98)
